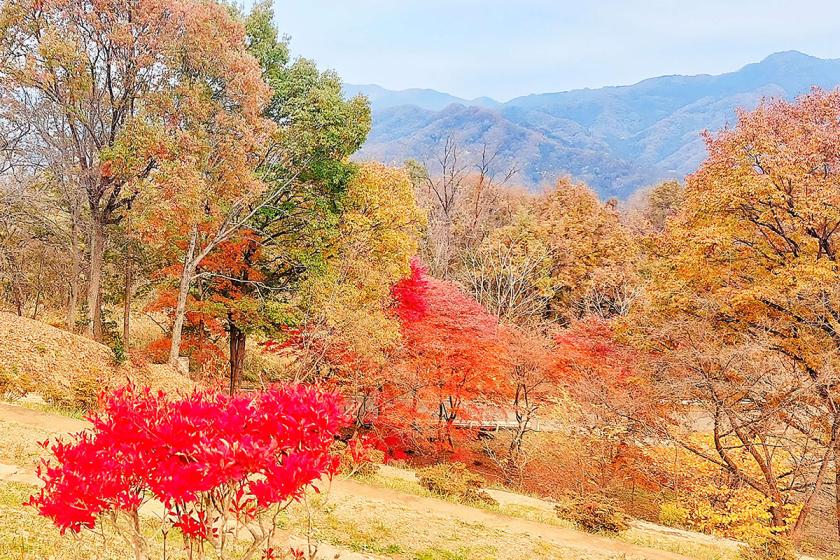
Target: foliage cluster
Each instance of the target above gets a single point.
(218, 464)
(454, 480)
(593, 513)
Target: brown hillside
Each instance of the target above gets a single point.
(41, 358)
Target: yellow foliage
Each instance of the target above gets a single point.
(710, 501)
(376, 239)
(592, 254)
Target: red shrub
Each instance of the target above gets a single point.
(208, 457)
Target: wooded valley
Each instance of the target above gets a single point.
(176, 186)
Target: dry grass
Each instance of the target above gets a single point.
(26, 536)
(60, 365)
(20, 444)
(692, 545)
(399, 531)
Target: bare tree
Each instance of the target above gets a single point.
(747, 410)
(509, 277)
(461, 195)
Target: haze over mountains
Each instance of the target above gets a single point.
(616, 139)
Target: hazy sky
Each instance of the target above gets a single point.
(508, 48)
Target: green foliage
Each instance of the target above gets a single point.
(318, 128)
(455, 480)
(118, 348)
(271, 51)
(84, 392)
(673, 514)
(593, 513)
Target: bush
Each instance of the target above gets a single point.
(593, 513)
(357, 460)
(82, 395)
(14, 385)
(57, 395)
(455, 480)
(774, 547)
(673, 514)
(249, 457)
(84, 392)
(118, 349)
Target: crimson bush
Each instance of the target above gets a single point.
(217, 463)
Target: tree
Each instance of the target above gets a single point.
(592, 254)
(650, 208)
(347, 325)
(33, 267)
(740, 397)
(451, 359)
(75, 80)
(255, 243)
(464, 199)
(208, 189)
(531, 384)
(509, 273)
(304, 179)
(752, 255)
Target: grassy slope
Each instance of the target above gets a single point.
(39, 357)
(411, 527)
(407, 524)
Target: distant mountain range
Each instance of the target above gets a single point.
(616, 138)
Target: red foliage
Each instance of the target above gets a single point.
(227, 296)
(611, 381)
(243, 454)
(409, 294)
(206, 355)
(602, 371)
(450, 365)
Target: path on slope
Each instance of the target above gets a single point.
(341, 488)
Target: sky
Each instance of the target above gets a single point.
(504, 49)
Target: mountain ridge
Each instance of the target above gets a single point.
(616, 138)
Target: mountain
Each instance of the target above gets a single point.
(616, 138)
(381, 98)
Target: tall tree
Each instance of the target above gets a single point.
(463, 201)
(753, 254)
(305, 177)
(86, 71)
(592, 254)
(452, 355)
(282, 190)
(509, 273)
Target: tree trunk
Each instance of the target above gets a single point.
(75, 271)
(127, 304)
(237, 355)
(137, 541)
(18, 301)
(523, 417)
(37, 303)
(73, 292)
(808, 504)
(181, 306)
(837, 483)
(94, 295)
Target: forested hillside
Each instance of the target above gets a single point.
(276, 348)
(616, 139)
